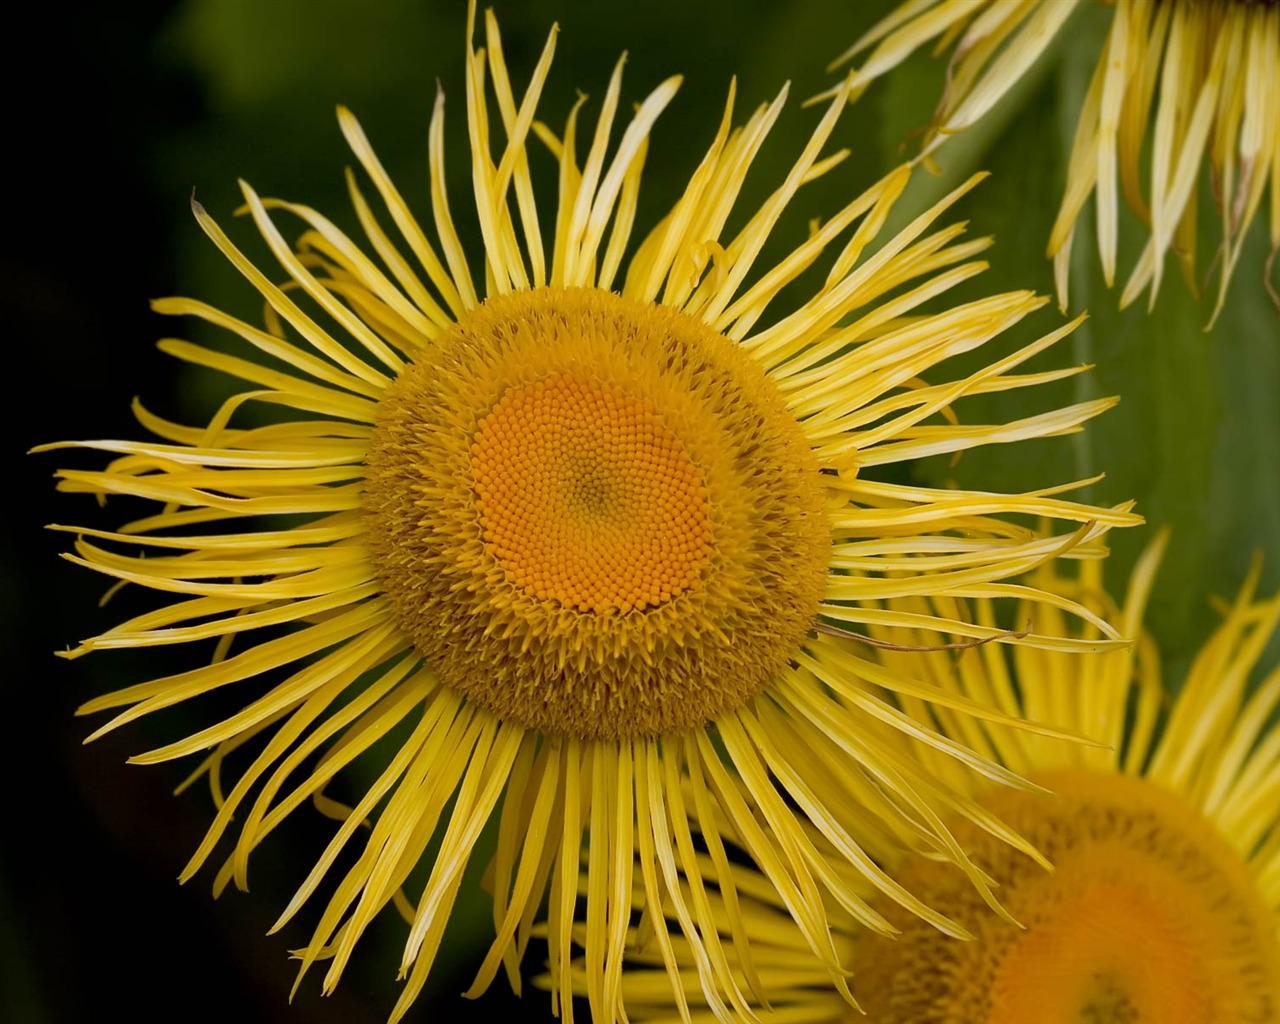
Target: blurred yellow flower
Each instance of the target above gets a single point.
(590, 539)
(1164, 842)
(1177, 83)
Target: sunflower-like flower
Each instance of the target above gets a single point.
(1164, 842)
(1177, 83)
(589, 546)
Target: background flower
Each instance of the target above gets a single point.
(1164, 840)
(1176, 85)
(192, 94)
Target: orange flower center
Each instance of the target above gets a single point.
(1148, 917)
(1081, 960)
(586, 496)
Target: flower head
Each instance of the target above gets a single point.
(1165, 885)
(588, 548)
(1177, 84)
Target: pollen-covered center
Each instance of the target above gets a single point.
(1149, 917)
(594, 516)
(586, 497)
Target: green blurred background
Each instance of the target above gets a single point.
(118, 113)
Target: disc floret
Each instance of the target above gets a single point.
(595, 516)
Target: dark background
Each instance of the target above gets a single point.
(116, 114)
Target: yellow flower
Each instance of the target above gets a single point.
(1164, 841)
(1190, 79)
(566, 548)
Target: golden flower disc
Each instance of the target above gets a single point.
(1149, 917)
(595, 516)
